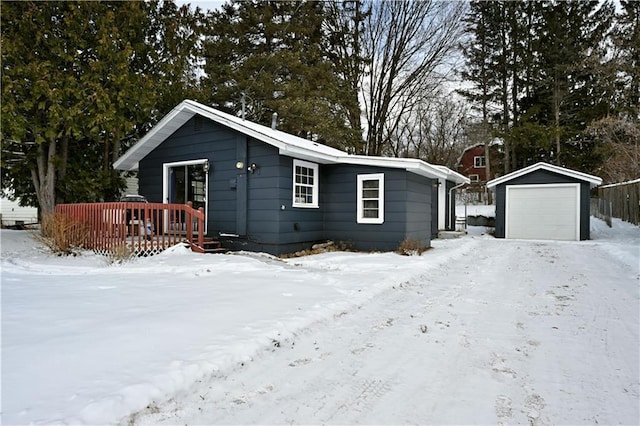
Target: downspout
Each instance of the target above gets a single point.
(452, 226)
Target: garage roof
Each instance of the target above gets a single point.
(287, 144)
(593, 180)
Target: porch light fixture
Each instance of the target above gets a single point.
(205, 167)
(252, 168)
(239, 165)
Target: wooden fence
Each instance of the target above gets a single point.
(144, 228)
(619, 200)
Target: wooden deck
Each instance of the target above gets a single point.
(143, 228)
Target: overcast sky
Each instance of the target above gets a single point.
(202, 4)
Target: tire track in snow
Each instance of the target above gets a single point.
(482, 340)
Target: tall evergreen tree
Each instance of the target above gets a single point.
(549, 76)
(345, 26)
(79, 81)
(569, 52)
(627, 42)
(269, 56)
(480, 67)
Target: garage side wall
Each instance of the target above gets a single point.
(542, 177)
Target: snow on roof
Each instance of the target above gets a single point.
(593, 180)
(287, 144)
(611, 185)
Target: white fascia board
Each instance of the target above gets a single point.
(169, 124)
(612, 185)
(409, 164)
(455, 176)
(593, 180)
(288, 145)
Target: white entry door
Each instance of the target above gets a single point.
(543, 212)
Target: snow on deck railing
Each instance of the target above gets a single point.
(144, 228)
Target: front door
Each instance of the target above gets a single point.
(187, 181)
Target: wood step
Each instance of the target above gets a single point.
(220, 250)
(211, 245)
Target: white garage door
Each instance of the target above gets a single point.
(543, 212)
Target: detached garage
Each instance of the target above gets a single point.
(543, 202)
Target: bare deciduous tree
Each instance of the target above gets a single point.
(434, 132)
(619, 147)
(409, 45)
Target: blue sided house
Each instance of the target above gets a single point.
(265, 190)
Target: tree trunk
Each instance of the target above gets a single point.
(487, 161)
(44, 177)
(62, 169)
(556, 115)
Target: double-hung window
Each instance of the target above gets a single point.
(305, 184)
(371, 198)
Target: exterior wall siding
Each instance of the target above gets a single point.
(257, 207)
(542, 177)
(206, 141)
(420, 211)
(272, 221)
(406, 215)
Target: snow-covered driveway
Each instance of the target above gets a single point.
(476, 330)
(515, 332)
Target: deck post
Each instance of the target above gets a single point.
(189, 220)
(201, 227)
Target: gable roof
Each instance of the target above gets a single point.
(287, 144)
(593, 180)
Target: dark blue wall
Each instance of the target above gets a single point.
(272, 221)
(407, 208)
(258, 206)
(542, 177)
(209, 141)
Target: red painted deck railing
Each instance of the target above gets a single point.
(146, 228)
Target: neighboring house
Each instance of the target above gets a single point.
(543, 202)
(472, 163)
(132, 186)
(266, 190)
(13, 214)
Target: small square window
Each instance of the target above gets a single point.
(305, 184)
(474, 178)
(370, 198)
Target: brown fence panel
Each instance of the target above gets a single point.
(622, 200)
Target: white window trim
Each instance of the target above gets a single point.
(314, 187)
(369, 220)
(475, 162)
(477, 178)
(166, 167)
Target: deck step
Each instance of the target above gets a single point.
(220, 250)
(210, 245)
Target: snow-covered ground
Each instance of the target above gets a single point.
(476, 330)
